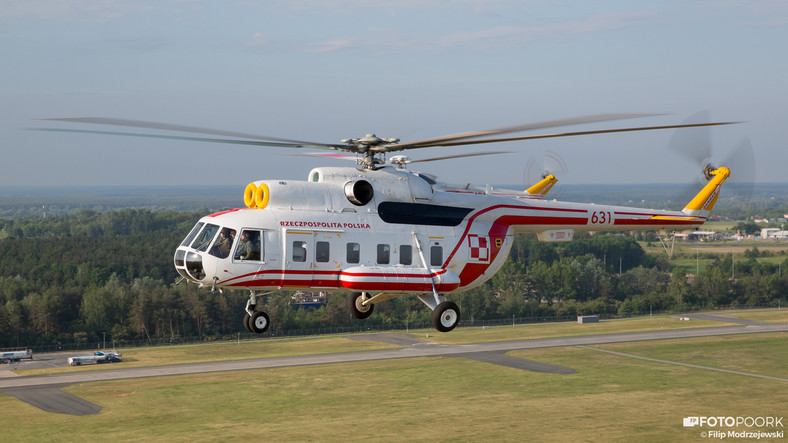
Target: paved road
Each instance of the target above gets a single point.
(723, 318)
(36, 389)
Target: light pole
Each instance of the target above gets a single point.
(105, 340)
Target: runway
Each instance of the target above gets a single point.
(44, 391)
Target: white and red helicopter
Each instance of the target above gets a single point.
(379, 231)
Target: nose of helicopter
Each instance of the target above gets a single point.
(190, 265)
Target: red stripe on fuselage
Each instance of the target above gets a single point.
(472, 271)
(649, 222)
(331, 280)
(509, 220)
(216, 214)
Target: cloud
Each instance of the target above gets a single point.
(435, 41)
(508, 36)
(342, 7)
(83, 10)
(336, 44)
(769, 12)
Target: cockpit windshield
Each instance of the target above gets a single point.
(192, 234)
(205, 237)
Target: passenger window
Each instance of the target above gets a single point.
(436, 255)
(405, 254)
(299, 251)
(205, 237)
(250, 246)
(321, 251)
(223, 243)
(353, 252)
(384, 254)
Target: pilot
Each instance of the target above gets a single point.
(246, 249)
(224, 243)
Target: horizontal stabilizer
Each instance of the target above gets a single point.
(674, 218)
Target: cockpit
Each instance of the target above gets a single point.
(208, 242)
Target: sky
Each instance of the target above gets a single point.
(325, 70)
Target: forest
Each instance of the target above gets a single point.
(91, 276)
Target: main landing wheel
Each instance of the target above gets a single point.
(445, 316)
(248, 322)
(355, 307)
(258, 322)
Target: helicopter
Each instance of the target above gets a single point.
(380, 231)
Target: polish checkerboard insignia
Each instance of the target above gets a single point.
(480, 248)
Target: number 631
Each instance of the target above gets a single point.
(601, 217)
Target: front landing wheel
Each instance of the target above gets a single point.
(356, 308)
(446, 316)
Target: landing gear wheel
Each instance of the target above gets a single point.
(248, 322)
(356, 308)
(446, 316)
(259, 322)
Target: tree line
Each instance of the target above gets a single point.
(93, 275)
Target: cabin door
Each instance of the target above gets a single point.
(312, 260)
(327, 260)
(298, 259)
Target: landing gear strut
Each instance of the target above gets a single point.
(254, 320)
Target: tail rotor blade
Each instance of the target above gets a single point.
(554, 164)
(693, 143)
(741, 162)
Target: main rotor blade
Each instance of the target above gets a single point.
(447, 157)
(562, 134)
(354, 158)
(180, 128)
(438, 141)
(202, 139)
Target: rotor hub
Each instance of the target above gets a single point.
(708, 171)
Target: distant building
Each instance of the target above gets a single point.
(308, 300)
(773, 234)
(698, 235)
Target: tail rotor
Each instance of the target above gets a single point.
(551, 163)
(694, 144)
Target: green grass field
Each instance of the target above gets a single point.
(531, 331)
(610, 398)
(768, 315)
(695, 256)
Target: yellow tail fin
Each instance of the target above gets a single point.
(702, 204)
(543, 186)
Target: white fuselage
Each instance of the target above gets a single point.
(407, 238)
